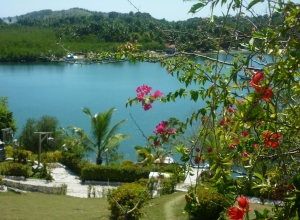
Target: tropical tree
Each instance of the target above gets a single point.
(29, 140)
(6, 116)
(146, 155)
(105, 138)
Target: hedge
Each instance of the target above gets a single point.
(118, 174)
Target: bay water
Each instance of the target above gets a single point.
(62, 90)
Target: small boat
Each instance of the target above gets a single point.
(243, 77)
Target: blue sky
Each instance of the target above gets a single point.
(171, 10)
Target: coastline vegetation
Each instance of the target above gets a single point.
(48, 36)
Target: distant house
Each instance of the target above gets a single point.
(170, 48)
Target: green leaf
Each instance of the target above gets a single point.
(254, 2)
(258, 175)
(196, 7)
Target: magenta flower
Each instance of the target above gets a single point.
(232, 146)
(245, 154)
(221, 122)
(156, 143)
(160, 128)
(147, 106)
(197, 160)
(230, 110)
(157, 94)
(245, 133)
(209, 150)
(144, 89)
(197, 149)
(236, 140)
(171, 131)
(140, 96)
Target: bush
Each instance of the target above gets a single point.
(168, 185)
(9, 151)
(127, 196)
(74, 161)
(205, 203)
(16, 169)
(51, 157)
(21, 156)
(121, 174)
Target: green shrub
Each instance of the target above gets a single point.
(109, 173)
(205, 203)
(9, 151)
(52, 156)
(45, 173)
(16, 169)
(168, 185)
(21, 156)
(127, 196)
(74, 161)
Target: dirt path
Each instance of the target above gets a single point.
(168, 209)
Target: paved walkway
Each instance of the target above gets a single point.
(75, 187)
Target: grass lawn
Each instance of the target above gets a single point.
(36, 206)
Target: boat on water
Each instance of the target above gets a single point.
(69, 57)
(243, 77)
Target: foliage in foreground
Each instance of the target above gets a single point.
(127, 200)
(247, 127)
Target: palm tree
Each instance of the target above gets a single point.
(145, 155)
(103, 139)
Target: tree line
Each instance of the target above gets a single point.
(39, 35)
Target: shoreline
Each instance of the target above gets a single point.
(155, 54)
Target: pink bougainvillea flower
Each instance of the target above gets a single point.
(245, 133)
(209, 150)
(144, 89)
(236, 213)
(256, 146)
(197, 160)
(140, 97)
(236, 140)
(171, 131)
(272, 139)
(160, 128)
(256, 78)
(230, 110)
(232, 146)
(197, 149)
(156, 143)
(147, 106)
(243, 203)
(221, 122)
(228, 120)
(157, 94)
(245, 154)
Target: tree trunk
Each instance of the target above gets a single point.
(99, 160)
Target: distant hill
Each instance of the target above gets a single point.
(47, 13)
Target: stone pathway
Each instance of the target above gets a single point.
(62, 176)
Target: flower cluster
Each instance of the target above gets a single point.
(272, 139)
(267, 93)
(142, 92)
(237, 213)
(163, 131)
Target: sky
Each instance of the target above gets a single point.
(171, 10)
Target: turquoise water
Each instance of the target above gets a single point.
(62, 90)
